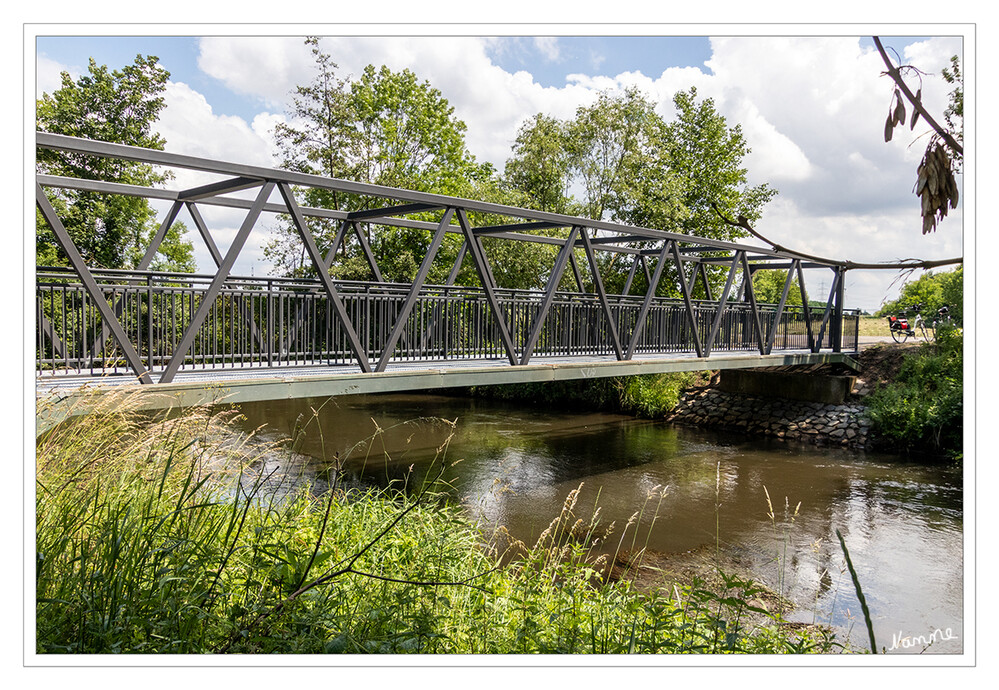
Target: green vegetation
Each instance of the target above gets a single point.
(921, 411)
(633, 166)
(167, 536)
(644, 395)
(768, 286)
(111, 231)
(386, 128)
(873, 325)
(933, 291)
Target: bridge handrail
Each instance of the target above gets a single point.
(58, 276)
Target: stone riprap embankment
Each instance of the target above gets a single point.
(842, 424)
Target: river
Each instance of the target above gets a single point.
(703, 496)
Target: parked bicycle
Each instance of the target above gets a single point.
(901, 329)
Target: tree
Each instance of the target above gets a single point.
(540, 165)
(609, 144)
(707, 156)
(386, 128)
(119, 106)
(635, 168)
(768, 286)
(955, 108)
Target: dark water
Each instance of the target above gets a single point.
(902, 522)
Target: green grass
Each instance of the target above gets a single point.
(874, 326)
(165, 536)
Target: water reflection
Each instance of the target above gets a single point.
(515, 466)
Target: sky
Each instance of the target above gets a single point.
(811, 106)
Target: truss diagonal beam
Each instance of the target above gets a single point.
(806, 310)
(208, 299)
(598, 283)
(147, 259)
(456, 268)
(488, 283)
(577, 276)
(414, 291)
(772, 332)
(754, 309)
(213, 249)
(46, 328)
(631, 277)
(319, 263)
(199, 223)
(91, 286)
(650, 294)
(716, 324)
(829, 307)
(546, 301)
(645, 268)
(687, 302)
(369, 255)
(436, 313)
(703, 270)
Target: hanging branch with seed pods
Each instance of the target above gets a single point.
(935, 186)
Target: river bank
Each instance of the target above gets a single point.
(824, 424)
(905, 398)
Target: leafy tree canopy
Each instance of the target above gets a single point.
(632, 166)
(768, 286)
(386, 128)
(118, 106)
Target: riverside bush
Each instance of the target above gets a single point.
(922, 411)
(166, 536)
(644, 395)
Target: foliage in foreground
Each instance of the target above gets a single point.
(922, 411)
(147, 543)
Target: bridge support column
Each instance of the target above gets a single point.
(836, 331)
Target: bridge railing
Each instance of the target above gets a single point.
(275, 322)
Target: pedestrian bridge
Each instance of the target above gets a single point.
(679, 303)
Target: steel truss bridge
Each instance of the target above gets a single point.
(190, 335)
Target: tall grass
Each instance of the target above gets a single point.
(166, 535)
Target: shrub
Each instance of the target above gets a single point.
(644, 395)
(921, 412)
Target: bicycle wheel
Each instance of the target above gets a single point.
(899, 335)
(930, 332)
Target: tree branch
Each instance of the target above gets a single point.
(896, 76)
(743, 223)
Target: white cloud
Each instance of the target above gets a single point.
(548, 46)
(190, 127)
(48, 75)
(265, 67)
